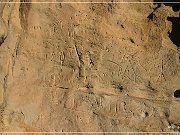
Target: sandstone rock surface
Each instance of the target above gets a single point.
(89, 67)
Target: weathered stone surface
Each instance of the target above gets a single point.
(88, 67)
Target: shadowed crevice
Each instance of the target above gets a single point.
(177, 93)
(174, 35)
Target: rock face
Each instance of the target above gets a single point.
(89, 67)
(3, 31)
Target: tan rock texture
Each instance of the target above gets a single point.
(89, 67)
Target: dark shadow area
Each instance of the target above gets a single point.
(175, 6)
(151, 16)
(174, 35)
(177, 93)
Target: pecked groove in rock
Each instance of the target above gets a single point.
(24, 12)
